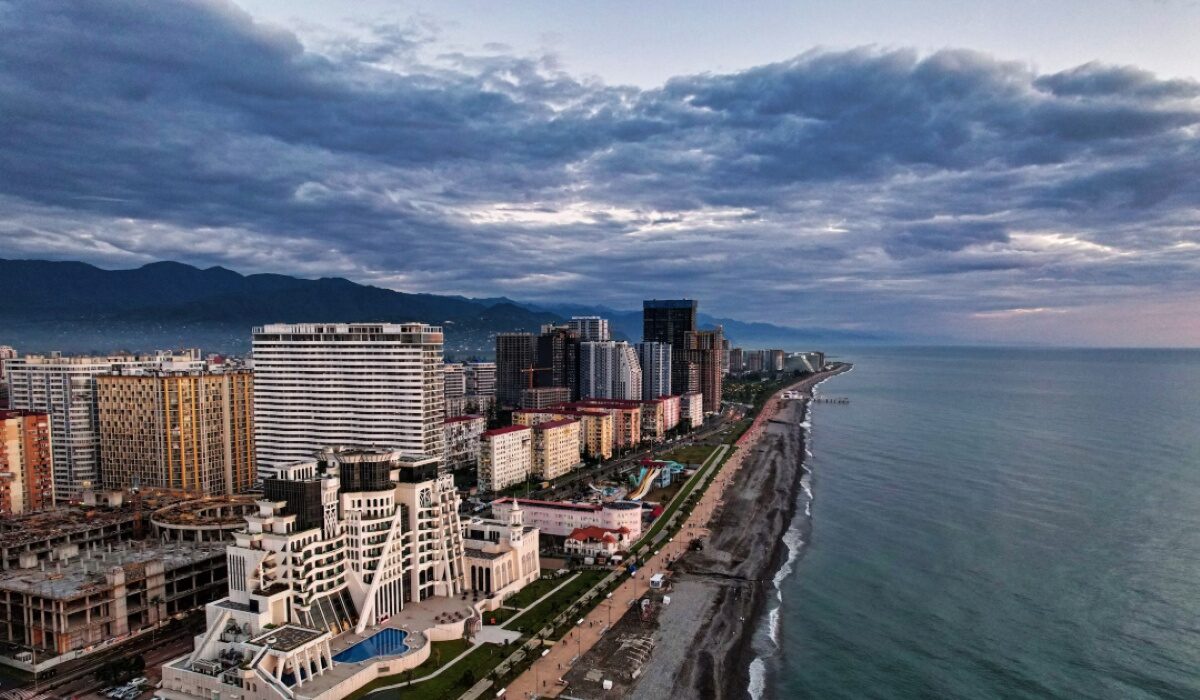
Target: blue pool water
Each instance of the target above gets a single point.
(385, 642)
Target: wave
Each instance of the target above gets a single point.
(793, 539)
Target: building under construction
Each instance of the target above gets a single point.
(83, 600)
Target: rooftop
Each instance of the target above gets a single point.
(463, 419)
(288, 637)
(505, 429)
(86, 574)
(551, 424)
(606, 534)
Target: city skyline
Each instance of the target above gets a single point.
(913, 185)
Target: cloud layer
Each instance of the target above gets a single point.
(932, 194)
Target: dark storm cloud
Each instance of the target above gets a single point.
(138, 130)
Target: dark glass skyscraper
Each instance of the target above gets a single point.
(514, 360)
(668, 321)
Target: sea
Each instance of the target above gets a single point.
(994, 523)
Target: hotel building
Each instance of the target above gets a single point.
(609, 370)
(26, 462)
(655, 359)
(189, 431)
(339, 551)
(349, 384)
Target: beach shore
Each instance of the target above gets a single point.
(703, 646)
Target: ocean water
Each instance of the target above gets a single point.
(996, 524)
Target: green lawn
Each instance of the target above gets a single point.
(541, 615)
(691, 454)
(441, 654)
(533, 591)
(692, 486)
(500, 615)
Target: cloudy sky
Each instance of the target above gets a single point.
(984, 171)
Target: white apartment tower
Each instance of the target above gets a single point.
(65, 387)
(656, 369)
(346, 384)
(609, 370)
(590, 328)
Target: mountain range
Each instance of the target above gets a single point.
(77, 307)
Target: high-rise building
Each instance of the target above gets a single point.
(515, 354)
(705, 350)
(26, 462)
(183, 431)
(454, 382)
(655, 359)
(558, 359)
(6, 353)
(590, 328)
(670, 321)
(65, 387)
(365, 385)
(609, 370)
(737, 361)
(481, 378)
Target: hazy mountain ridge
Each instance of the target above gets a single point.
(77, 307)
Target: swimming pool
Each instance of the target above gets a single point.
(385, 642)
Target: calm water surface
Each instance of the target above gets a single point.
(1000, 524)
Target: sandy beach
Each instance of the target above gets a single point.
(703, 641)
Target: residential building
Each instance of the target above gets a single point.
(349, 384)
(655, 360)
(669, 321)
(454, 388)
(596, 426)
(463, 436)
(672, 411)
(481, 378)
(26, 462)
(505, 458)
(556, 448)
(65, 387)
(609, 370)
(737, 362)
(561, 518)
(691, 409)
(6, 353)
(558, 359)
(590, 328)
(189, 431)
(627, 418)
(501, 556)
(704, 350)
(598, 542)
(515, 354)
(544, 396)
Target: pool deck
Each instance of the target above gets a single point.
(414, 620)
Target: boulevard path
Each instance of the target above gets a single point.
(540, 680)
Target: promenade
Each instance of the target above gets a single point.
(541, 679)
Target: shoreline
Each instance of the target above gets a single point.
(706, 642)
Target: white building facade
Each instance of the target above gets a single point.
(505, 457)
(590, 328)
(655, 359)
(609, 370)
(357, 384)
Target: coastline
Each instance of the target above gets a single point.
(706, 640)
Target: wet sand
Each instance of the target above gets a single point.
(703, 642)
